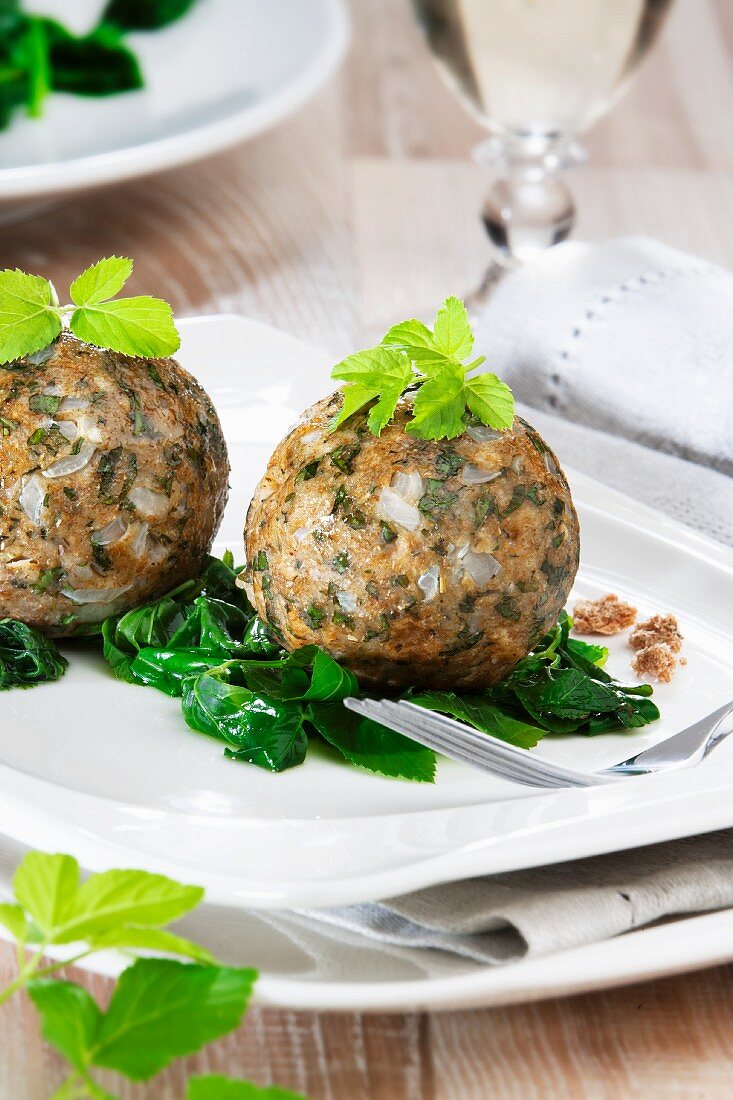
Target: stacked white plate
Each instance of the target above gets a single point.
(111, 773)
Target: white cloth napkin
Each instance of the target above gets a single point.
(629, 336)
(622, 354)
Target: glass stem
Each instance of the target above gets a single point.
(529, 207)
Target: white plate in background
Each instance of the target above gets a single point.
(110, 772)
(226, 71)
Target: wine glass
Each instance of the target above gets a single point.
(536, 74)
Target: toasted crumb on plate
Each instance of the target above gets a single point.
(606, 615)
(656, 661)
(656, 640)
(659, 628)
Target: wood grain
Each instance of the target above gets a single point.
(361, 209)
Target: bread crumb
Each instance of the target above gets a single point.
(606, 615)
(656, 641)
(659, 628)
(656, 661)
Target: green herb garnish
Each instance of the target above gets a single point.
(432, 363)
(31, 317)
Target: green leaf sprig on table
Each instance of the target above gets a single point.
(39, 56)
(203, 644)
(31, 317)
(432, 364)
(160, 1010)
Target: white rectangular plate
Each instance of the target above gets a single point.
(110, 771)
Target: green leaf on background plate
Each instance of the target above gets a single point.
(169, 669)
(330, 682)
(261, 730)
(566, 693)
(144, 15)
(27, 657)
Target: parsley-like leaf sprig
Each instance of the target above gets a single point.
(161, 1008)
(31, 317)
(433, 363)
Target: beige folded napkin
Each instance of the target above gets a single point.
(507, 917)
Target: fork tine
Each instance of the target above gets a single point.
(532, 767)
(465, 744)
(482, 754)
(438, 743)
(474, 743)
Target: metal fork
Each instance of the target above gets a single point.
(481, 750)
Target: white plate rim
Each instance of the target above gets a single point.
(196, 143)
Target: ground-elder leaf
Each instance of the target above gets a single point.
(141, 326)
(14, 919)
(29, 318)
(101, 281)
(490, 400)
(452, 329)
(161, 1010)
(440, 406)
(483, 715)
(369, 745)
(70, 1018)
(149, 939)
(46, 885)
(381, 373)
(117, 897)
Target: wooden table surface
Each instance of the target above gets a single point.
(361, 210)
